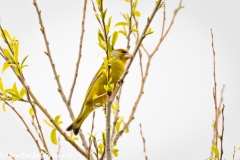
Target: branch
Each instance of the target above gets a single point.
(144, 142)
(56, 126)
(131, 117)
(222, 132)
(234, 150)
(29, 131)
(79, 53)
(48, 53)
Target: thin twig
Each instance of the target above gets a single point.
(40, 133)
(59, 147)
(234, 150)
(144, 142)
(56, 126)
(23, 121)
(222, 132)
(48, 52)
(90, 137)
(60, 90)
(79, 53)
(131, 117)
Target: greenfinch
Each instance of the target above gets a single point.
(96, 94)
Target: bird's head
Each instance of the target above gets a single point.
(121, 54)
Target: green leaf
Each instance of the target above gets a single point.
(7, 35)
(53, 136)
(1, 85)
(135, 30)
(114, 38)
(118, 124)
(103, 14)
(109, 21)
(137, 13)
(57, 118)
(7, 54)
(59, 122)
(22, 92)
(121, 24)
(100, 36)
(127, 130)
(4, 107)
(135, 4)
(107, 29)
(30, 111)
(123, 33)
(97, 16)
(5, 66)
(102, 45)
(149, 31)
(215, 150)
(115, 152)
(103, 137)
(48, 123)
(24, 59)
(17, 72)
(15, 89)
(99, 4)
(16, 48)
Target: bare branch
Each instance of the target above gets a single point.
(141, 91)
(222, 132)
(79, 53)
(48, 53)
(56, 126)
(234, 150)
(25, 124)
(60, 90)
(144, 142)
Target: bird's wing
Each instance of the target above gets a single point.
(95, 78)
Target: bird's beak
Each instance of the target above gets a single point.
(128, 56)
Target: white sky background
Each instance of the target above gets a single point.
(177, 108)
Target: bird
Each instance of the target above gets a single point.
(96, 94)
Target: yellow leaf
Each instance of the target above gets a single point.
(16, 48)
(59, 122)
(137, 13)
(101, 145)
(102, 45)
(57, 118)
(135, 30)
(30, 111)
(15, 89)
(7, 35)
(114, 38)
(22, 92)
(53, 136)
(5, 66)
(121, 24)
(48, 123)
(118, 124)
(7, 54)
(215, 150)
(115, 152)
(4, 107)
(1, 85)
(123, 32)
(127, 0)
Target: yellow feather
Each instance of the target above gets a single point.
(96, 94)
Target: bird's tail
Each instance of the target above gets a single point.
(77, 123)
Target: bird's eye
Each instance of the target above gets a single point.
(123, 51)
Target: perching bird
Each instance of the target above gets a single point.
(96, 94)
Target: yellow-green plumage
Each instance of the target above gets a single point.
(95, 95)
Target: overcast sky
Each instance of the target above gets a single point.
(176, 110)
